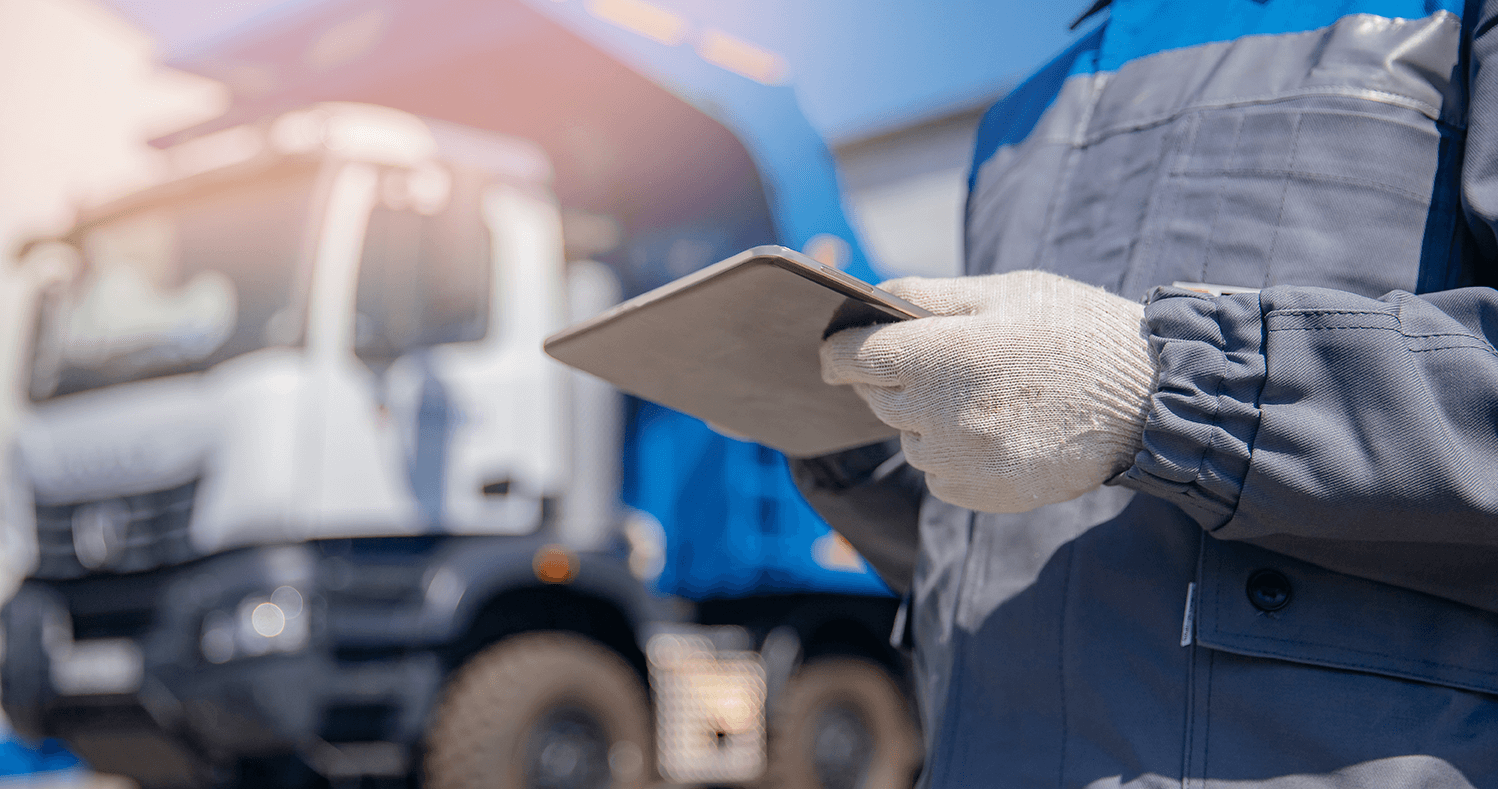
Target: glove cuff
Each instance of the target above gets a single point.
(1124, 377)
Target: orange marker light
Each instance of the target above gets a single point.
(638, 16)
(743, 58)
(554, 564)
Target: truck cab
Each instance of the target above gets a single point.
(297, 463)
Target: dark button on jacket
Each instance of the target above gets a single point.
(1268, 590)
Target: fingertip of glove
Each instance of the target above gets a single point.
(859, 355)
(839, 354)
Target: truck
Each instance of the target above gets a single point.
(309, 504)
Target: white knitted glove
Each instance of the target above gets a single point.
(1030, 389)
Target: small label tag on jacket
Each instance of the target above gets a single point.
(900, 636)
(1188, 622)
(1212, 290)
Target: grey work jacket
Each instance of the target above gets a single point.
(1296, 584)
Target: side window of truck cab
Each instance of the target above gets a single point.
(424, 273)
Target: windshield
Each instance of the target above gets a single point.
(178, 286)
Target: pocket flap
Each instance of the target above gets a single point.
(1263, 604)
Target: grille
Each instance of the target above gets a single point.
(129, 534)
(358, 722)
(378, 571)
(112, 623)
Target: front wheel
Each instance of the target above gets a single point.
(842, 723)
(541, 711)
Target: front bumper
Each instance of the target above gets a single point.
(113, 665)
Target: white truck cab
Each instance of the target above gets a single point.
(291, 337)
(297, 462)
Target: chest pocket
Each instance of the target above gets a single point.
(1324, 158)
(1325, 191)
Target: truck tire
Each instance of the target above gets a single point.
(546, 710)
(842, 723)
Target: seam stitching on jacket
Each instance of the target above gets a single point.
(1473, 346)
(1467, 340)
(1159, 190)
(1279, 217)
(1069, 164)
(1399, 658)
(951, 711)
(1211, 660)
(1463, 341)
(1071, 556)
(1387, 671)
(1331, 328)
(1221, 196)
(1441, 334)
(1309, 176)
(1175, 113)
(1360, 91)
(1208, 502)
(1331, 312)
(1207, 727)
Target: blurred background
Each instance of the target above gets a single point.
(290, 495)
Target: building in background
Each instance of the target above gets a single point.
(905, 187)
(82, 93)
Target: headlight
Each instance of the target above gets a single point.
(647, 545)
(260, 625)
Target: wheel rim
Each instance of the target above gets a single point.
(567, 749)
(842, 747)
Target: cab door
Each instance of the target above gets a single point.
(450, 314)
(352, 473)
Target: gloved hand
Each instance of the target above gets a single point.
(1030, 388)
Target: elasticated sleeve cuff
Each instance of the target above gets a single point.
(1205, 411)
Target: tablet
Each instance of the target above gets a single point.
(736, 345)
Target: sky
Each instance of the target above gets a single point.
(859, 66)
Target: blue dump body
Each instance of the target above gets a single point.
(21, 758)
(734, 523)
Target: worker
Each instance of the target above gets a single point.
(1199, 483)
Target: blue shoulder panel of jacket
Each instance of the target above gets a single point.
(1138, 28)
(1015, 115)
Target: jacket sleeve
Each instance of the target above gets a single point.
(871, 497)
(1317, 413)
